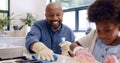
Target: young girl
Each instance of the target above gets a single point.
(105, 40)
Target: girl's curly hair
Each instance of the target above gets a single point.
(104, 10)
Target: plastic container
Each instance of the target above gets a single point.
(64, 53)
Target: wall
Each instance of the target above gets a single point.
(20, 8)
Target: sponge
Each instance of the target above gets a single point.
(44, 61)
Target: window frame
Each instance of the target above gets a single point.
(77, 9)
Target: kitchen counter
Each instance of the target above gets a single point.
(12, 41)
(19, 44)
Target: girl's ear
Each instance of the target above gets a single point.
(119, 27)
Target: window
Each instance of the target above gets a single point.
(5, 8)
(3, 4)
(66, 4)
(69, 22)
(75, 14)
(84, 24)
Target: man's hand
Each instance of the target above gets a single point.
(42, 51)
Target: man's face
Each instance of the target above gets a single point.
(54, 17)
(108, 32)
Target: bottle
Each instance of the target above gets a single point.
(64, 52)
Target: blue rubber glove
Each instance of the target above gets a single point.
(44, 61)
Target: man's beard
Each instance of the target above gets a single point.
(55, 24)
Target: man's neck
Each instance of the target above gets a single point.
(55, 30)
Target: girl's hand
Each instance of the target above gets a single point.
(111, 59)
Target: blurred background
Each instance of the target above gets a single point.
(22, 14)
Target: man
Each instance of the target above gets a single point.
(45, 35)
